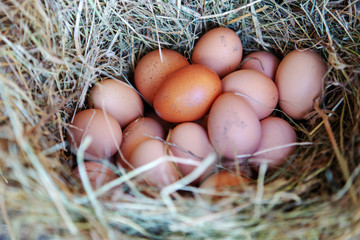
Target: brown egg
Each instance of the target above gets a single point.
(151, 70)
(163, 174)
(135, 133)
(261, 61)
(187, 94)
(117, 98)
(220, 49)
(97, 173)
(233, 126)
(223, 181)
(192, 142)
(276, 132)
(257, 89)
(299, 79)
(104, 130)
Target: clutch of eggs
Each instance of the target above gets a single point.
(219, 102)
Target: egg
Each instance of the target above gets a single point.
(98, 174)
(152, 70)
(117, 98)
(163, 174)
(220, 49)
(104, 130)
(135, 133)
(262, 61)
(187, 94)
(221, 181)
(276, 133)
(233, 126)
(256, 87)
(190, 140)
(299, 79)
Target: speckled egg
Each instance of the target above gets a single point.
(220, 49)
(152, 70)
(233, 126)
(187, 94)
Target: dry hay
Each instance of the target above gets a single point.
(52, 52)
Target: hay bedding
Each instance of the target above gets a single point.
(52, 52)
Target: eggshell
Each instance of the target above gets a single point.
(220, 49)
(187, 94)
(151, 70)
(276, 132)
(222, 181)
(192, 142)
(233, 126)
(117, 98)
(98, 174)
(299, 80)
(256, 87)
(163, 174)
(104, 130)
(261, 61)
(135, 133)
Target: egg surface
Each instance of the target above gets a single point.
(299, 80)
(135, 133)
(233, 126)
(220, 49)
(104, 130)
(163, 174)
(152, 70)
(117, 98)
(187, 94)
(256, 88)
(262, 61)
(192, 142)
(276, 134)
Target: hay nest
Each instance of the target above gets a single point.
(52, 52)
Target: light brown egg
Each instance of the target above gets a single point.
(220, 49)
(151, 70)
(192, 142)
(299, 79)
(98, 174)
(104, 130)
(276, 134)
(117, 98)
(257, 89)
(233, 126)
(262, 61)
(223, 181)
(135, 133)
(187, 94)
(163, 174)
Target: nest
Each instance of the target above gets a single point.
(52, 52)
